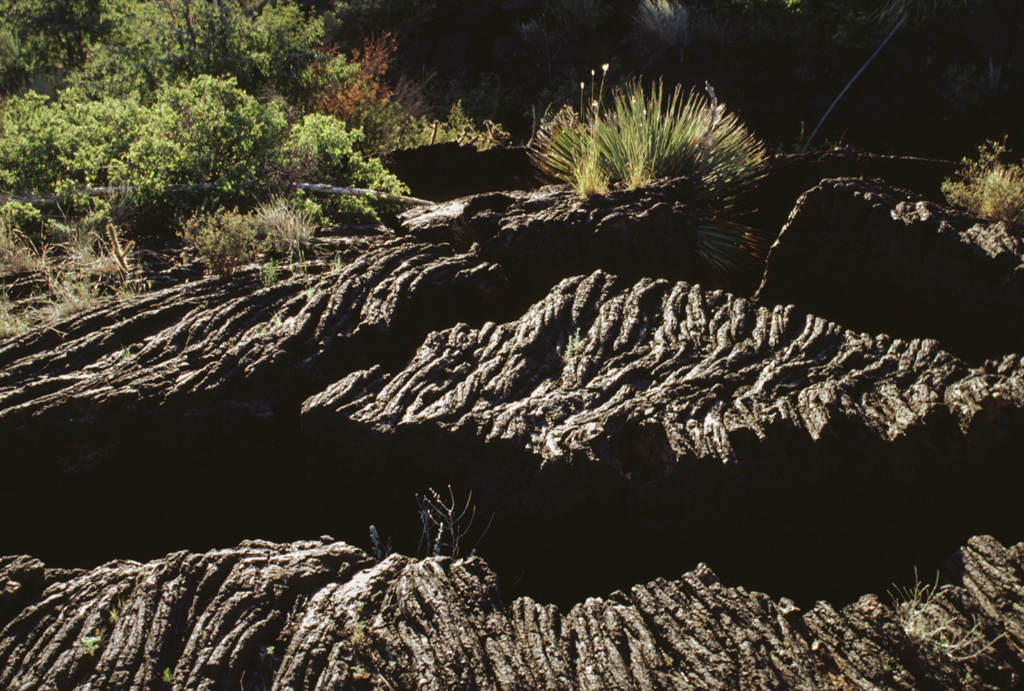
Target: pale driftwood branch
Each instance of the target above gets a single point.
(358, 192)
(305, 187)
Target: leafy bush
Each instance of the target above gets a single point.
(322, 148)
(21, 217)
(43, 143)
(358, 95)
(33, 55)
(206, 131)
(224, 239)
(988, 187)
(177, 40)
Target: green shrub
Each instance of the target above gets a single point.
(69, 142)
(23, 217)
(988, 187)
(206, 131)
(224, 239)
(42, 40)
(175, 41)
(322, 149)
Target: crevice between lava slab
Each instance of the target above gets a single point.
(622, 430)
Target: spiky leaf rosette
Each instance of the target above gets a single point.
(645, 136)
(560, 147)
(734, 254)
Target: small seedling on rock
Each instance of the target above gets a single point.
(90, 644)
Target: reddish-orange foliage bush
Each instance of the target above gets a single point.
(366, 86)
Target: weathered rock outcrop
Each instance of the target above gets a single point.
(542, 236)
(671, 424)
(322, 615)
(187, 394)
(790, 175)
(441, 172)
(870, 257)
(622, 428)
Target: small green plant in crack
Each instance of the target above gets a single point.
(90, 644)
(115, 612)
(358, 632)
(927, 623)
(572, 346)
(167, 676)
(269, 272)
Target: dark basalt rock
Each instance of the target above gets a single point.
(320, 614)
(873, 258)
(184, 395)
(666, 424)
(790, 175)
(623, 428)
(441, 172)
(542, 236)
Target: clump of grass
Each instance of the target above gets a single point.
(661, 25)
(69, 295)
(16, 251)
(225, 240)
(927, 623)
(988, 187)
(12, 321)
(285, 225)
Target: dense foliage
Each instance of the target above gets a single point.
(231, 97)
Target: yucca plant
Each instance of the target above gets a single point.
(644, 137)
(565, 150)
